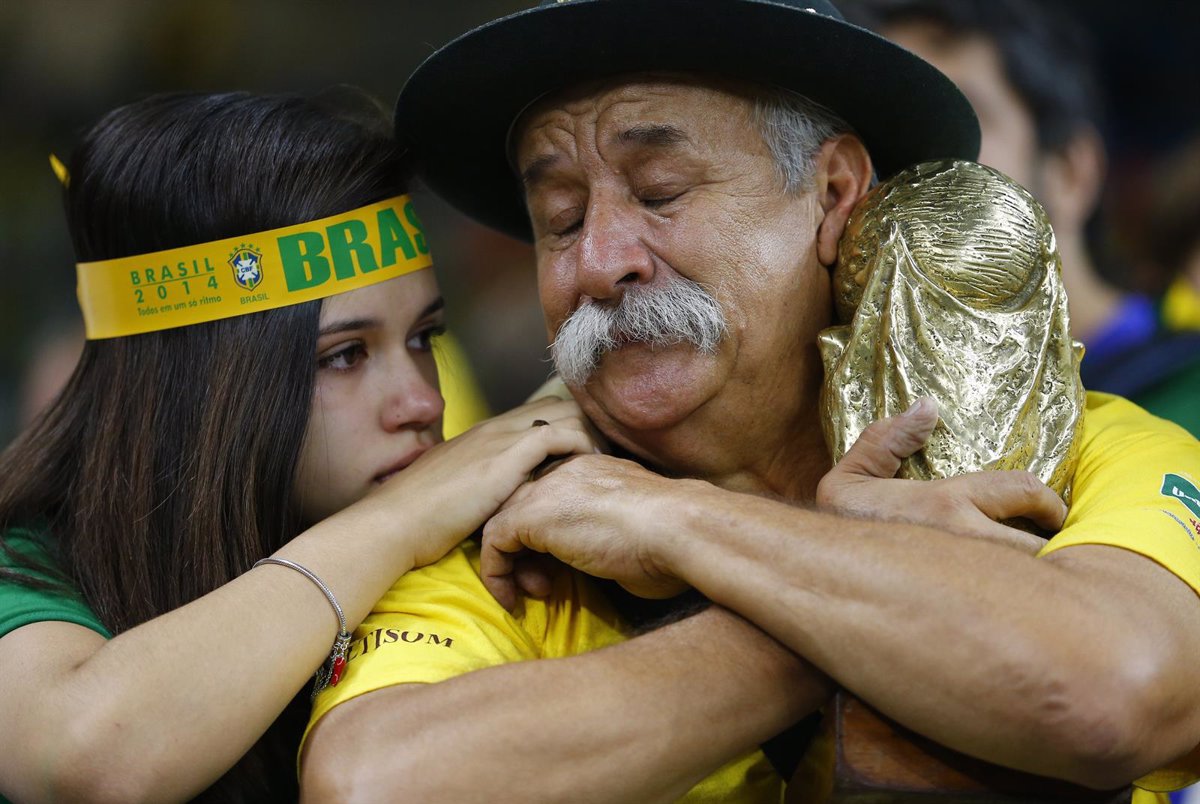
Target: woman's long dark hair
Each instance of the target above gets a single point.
(166, 466)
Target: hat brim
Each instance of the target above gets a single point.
(456, 110)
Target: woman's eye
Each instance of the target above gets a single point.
(343, 359)
(423, 340)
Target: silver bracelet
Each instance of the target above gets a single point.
(331, 671)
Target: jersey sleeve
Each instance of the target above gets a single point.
(1136, 488)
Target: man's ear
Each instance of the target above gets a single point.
(843, 176)
(1072, 179)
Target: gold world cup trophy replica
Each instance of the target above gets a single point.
(948, 285)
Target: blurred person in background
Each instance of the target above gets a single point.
(1172, 370)
(1173, 239)
(1027, 72)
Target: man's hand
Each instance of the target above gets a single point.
(602, 515)
(862, 485)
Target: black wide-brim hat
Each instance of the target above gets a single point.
(457, 109)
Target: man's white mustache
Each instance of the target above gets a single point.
(679, 312)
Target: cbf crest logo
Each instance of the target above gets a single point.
(247, 266)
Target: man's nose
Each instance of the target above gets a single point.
(411, 401)
(612, 251)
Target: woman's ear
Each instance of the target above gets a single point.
(843, 176)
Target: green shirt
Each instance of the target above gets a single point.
(22, 605)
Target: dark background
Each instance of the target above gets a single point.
(63, 63)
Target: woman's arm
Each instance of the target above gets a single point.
(164, 709)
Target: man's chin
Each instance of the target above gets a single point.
(644, 388)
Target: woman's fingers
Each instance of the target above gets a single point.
(548, 410)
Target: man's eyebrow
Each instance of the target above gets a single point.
(659, 135)
(537, 168)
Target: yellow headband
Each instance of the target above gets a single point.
(247, 274)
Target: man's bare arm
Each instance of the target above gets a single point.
(1075, 665)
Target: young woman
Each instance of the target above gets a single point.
(146, 650)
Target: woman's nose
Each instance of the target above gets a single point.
(412, 401)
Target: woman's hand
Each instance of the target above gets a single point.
(450, 491)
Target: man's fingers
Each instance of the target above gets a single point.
(508, 568)
(885, 443)
(1013, 494)
(534, 574)
(503, 587)
(497, 561)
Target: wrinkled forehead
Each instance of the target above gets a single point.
(681, 99)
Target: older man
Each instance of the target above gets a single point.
(686, 169)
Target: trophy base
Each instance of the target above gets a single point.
(861, 757)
